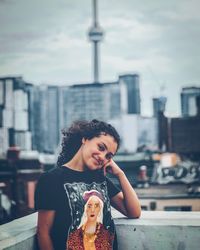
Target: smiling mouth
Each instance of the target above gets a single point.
(98, 162)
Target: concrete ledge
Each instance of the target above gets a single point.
(160, 230)
(153, 231)
(19, 233)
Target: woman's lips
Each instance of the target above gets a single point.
(97, 162)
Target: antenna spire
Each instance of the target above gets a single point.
(95, 35)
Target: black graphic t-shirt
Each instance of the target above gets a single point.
(81, 201)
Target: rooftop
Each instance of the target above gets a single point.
(153, 231)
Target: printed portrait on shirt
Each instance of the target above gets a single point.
(92, 226)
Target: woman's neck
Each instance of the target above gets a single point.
(76, 163)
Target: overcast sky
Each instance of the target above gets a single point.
(45, 41)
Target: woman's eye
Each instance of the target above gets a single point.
(101, 148)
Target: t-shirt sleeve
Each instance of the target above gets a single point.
(112, 188)
(45, 193)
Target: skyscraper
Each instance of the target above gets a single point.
(188, 101)
(90, 101)
(53, 118)
(14, 113)
(130, 93)
(45, 118)
(159, 104)
(64, 96)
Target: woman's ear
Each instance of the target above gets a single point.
(83, 140)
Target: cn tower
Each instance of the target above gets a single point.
(95, 35)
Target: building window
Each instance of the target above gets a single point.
(144, 208)
(178, 208)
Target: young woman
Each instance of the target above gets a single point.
(85, 158)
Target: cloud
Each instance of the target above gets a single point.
(47, 41)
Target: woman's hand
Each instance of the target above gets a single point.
(113, 168)
(126, 201)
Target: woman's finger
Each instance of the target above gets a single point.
(104, 170)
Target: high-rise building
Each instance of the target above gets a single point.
(64, 95)
(130, 93)
(114, 99)
(136, 131)
(14, 113)
(32, 116)
(92, 101)
(53, 118)
(38, 113)
(188, 101)
(159, 104)
(182, 134)
(45, 124)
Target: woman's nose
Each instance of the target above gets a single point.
(103, 157)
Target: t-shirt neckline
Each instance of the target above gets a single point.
(86, 172)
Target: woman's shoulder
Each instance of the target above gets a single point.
(51, 175)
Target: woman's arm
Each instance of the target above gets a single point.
(126, 201)
(45, 222)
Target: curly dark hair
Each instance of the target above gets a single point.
(72, 137)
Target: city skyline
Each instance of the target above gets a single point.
(158, 40)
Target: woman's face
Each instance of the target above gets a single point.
(98, 151)
(93, 208)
